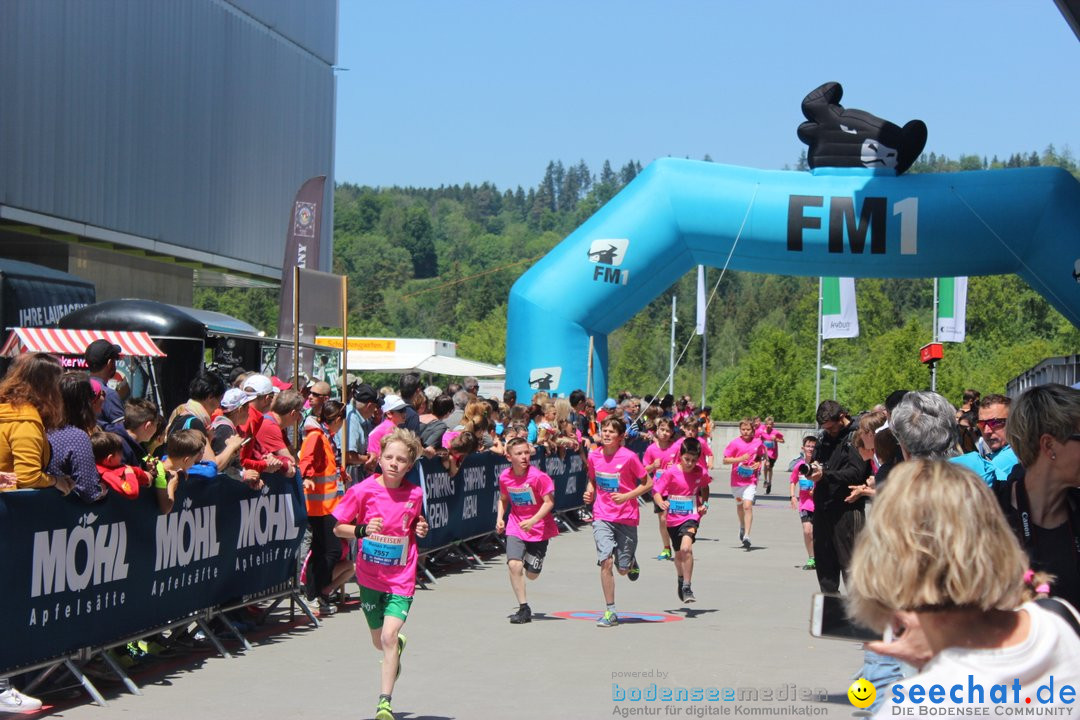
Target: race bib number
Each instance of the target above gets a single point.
(607, 482)
(770, 444)
(385, 549)
(522, 496)
(680, 505)
(745, 471)
(806, 484)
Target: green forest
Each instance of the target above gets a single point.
(439, 262)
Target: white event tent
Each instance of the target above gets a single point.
(398, 355)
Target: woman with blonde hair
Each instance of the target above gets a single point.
(939, 561)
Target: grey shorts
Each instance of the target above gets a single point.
(615, 539)
(531, 554)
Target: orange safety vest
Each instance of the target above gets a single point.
(317, 463)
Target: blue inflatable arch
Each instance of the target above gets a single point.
(848, 222)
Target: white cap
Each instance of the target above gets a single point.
(234, 399)
(392, 403)
(259, 385)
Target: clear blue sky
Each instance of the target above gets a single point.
(468, 91)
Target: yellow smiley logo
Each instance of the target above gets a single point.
(861, 693)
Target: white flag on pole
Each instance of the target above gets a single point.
(952, 309)
(839, 317)
(699, 328)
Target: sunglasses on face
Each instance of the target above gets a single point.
(992, 423)
(318, 395)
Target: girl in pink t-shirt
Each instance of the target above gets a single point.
(384, 514)
(616, 479)
(530, 494)
(658, 457)
(745, 454)
(683, 493)
(802, 498)
(771, 438)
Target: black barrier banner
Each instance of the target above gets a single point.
(568, 474)
(84, 576)
(463, 506)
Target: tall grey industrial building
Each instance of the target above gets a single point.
(148, 145)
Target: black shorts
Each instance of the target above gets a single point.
(678, 532)
(530, 553)
(772, 461)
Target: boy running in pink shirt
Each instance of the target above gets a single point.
(683, 493)
(770, 437)
(658, 457)
(744, 454)
(616, 480)
(530, 494)
(384, 514)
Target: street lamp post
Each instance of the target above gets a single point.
(835, 372)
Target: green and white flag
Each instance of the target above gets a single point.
(952, 309)
(839, 318)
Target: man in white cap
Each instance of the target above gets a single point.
(393, 408)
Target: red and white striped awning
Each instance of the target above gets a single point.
(73, 342)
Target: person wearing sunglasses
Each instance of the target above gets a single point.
(1041, 498)
(994, 445)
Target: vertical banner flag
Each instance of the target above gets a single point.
(952, 309)
(302, 251)
(699, 328)
(839, 317)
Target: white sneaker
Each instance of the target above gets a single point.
(13, 701)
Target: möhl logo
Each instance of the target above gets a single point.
(78, 558)
(186, 536)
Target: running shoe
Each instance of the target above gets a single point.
(13, 701)
(522, 616)
(635, 570)
(679, 589)
(810, 565)
(608, 619)
(746, 542)
(326, 607)
(741, 534)
(665, 554)
(768, 487)
(688, 595)
(383, 711)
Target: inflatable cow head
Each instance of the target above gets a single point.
(844, 137)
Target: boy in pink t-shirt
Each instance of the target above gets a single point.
(658, 457)
(530, 493)
(802, 497)
(683, 493)
(384, 514)
(616, 479)
(770, 437)
(745, 454)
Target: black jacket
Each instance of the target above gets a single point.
(843, 467)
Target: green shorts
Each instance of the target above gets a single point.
(377, 605)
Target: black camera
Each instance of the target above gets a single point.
(808, 469)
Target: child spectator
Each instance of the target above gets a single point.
(183, 449)
(108, 456)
